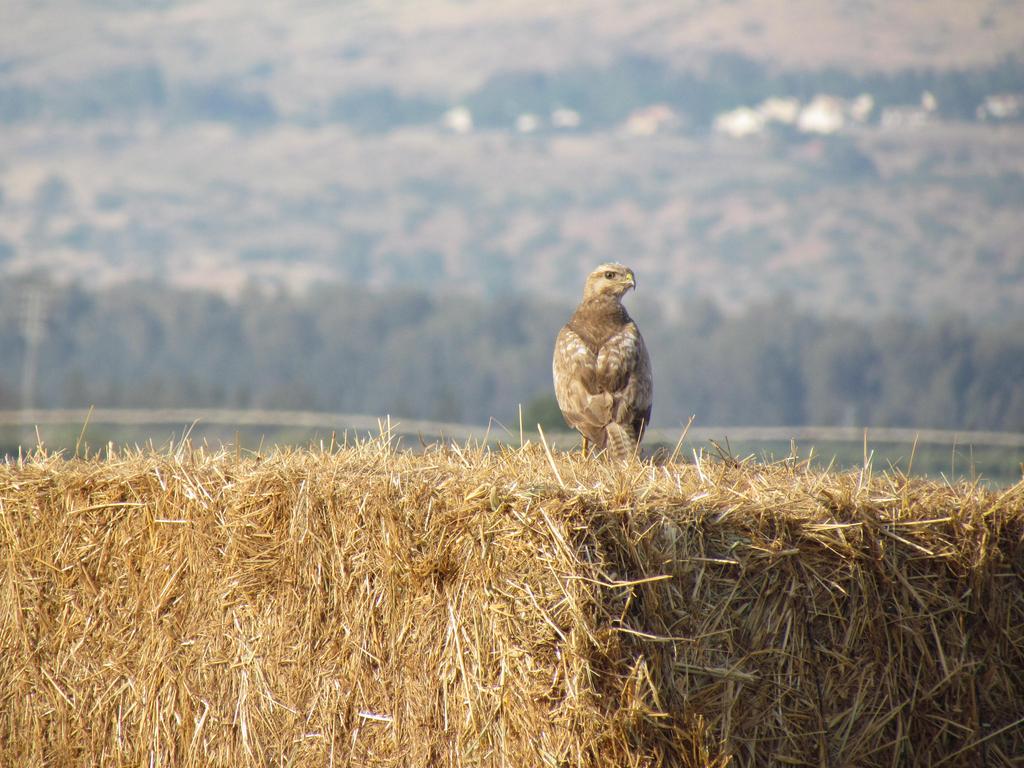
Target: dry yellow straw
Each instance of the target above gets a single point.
(367, 606)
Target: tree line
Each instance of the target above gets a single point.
(604, 95)
(456, 358)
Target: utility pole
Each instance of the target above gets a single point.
(33, 327)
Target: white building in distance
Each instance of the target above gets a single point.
(860, 108)
(824, 115)
(565, 118)
(527, 122)
(1001, 106)
(739, 123)
(651, 120)
(458, 120)
(779, 110)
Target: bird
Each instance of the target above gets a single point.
(601, 368)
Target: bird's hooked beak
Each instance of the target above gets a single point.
(631, 279)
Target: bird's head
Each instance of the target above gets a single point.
(609, 280)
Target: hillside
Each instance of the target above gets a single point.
(934, 228)
(210, 145)
(452, 46)
(370, 606)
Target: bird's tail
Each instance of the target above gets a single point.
(621, 443)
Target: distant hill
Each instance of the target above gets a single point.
(507, 147)
(303, 51)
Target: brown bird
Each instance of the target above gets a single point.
(601, 368)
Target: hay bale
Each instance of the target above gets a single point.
(373, 607)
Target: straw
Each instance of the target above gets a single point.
(517, 607)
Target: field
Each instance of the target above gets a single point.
(364, 605)
(993, 459)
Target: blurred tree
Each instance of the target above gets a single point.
(843, 374)
(847, 162)
(53, 195)
(8, 396)
(18, 104)
(381, 109)
(124, 90)
(76, 389)
(224, 101)
(543, 410)
(428, 356)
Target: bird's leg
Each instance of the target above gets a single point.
(586, 446)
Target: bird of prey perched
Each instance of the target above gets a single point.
(601, 367)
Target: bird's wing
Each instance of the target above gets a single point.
(624, 370)
(583, 404)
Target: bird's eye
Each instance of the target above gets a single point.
(609, 275)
